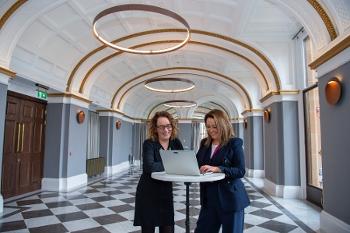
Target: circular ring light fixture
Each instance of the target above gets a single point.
(154, 80)
(141, 7)
(180, 104)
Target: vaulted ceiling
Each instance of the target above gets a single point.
(239, 51)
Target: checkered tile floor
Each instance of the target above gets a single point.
(108, 206)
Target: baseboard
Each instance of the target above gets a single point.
(64, 184)
(253, 173)
(137, 162)
(111, 170)
(283, 191)
(331, 224)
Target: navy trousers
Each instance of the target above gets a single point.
(212, 218)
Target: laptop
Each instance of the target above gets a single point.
(180, 162)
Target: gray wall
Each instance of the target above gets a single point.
(253, 143)
(335, 146)
(3, 100)
(122, 146)
(185, 134)
(65, 141)
(281, 144)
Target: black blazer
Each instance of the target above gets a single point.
(154, 199)
(230, 159)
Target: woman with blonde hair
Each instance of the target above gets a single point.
(154, 199)
(222, 202)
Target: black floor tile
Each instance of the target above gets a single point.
(56, 228)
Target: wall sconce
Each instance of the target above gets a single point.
(80, 117)
(118, 124)
(245, 123)
(267, 115)
(333, 91)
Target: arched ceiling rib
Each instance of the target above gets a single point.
(272, 85)
(118, 96)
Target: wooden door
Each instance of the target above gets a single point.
(23, 146)
(11, 147)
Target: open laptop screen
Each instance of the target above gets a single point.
(180, 162)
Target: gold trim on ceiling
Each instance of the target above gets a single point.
(70, 95)
(341, 46)
(180, 68)
(325, 18)
(87, 76)
(10, 11)
(7, 72)
(282, 92)
(157, 105)
(194, 31)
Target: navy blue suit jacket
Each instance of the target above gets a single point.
(230, 159)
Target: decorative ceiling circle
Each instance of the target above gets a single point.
(180, 104)
(141, 7)
(169, 85)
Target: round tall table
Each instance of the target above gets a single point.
(188, 180)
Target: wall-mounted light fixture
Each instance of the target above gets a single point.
(118, 124)
(267, 115)
(245, 123)
(333, 91)
(80, 117)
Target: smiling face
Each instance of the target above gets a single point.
(164, 128)
(213, 130)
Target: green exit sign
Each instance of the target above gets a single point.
(41, 94)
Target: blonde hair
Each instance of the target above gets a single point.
(223, 126)
(152, 129)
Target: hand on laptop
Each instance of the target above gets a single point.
(207, 168)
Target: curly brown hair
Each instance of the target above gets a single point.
(223, 125)
(152, 129)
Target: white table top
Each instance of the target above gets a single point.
(181, 178)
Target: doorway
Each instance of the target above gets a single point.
(314, 178)
(22, 165)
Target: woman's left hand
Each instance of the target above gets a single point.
(207, 168)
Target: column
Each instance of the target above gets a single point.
(65, 144)
(4, 78)
(253, 144)
(115, 143)
(281, 149)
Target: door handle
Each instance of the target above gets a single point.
(18, 126)
(22, 137)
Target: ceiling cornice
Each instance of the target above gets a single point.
(7, 72)
(282, 92)
(70, 95)
(332, 52)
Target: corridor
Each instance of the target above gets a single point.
(107, 205)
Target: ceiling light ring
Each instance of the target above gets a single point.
(189, 103)
(153, 80)
(141, 7)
